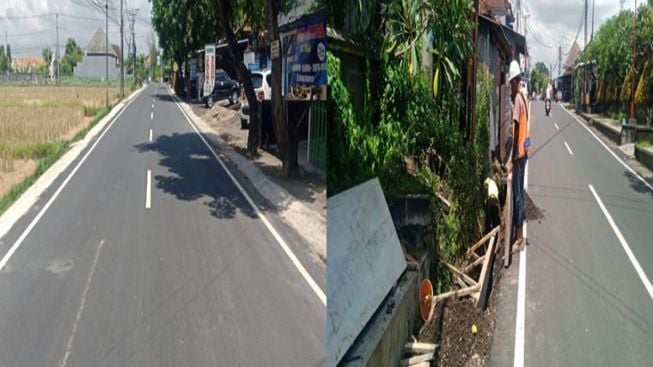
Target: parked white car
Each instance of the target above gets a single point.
(262, 81)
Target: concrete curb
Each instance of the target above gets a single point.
(23, 204)
(645, 157)
(607, 130)
(310, 224)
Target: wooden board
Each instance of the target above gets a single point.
(483, 240)
(483, 280)
(365, 261)
(412, 361)
(508, 225)
(420, 347)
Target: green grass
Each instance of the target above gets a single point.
(47, 154)
(644, 144)
(617, 116)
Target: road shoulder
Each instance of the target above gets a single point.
(31, 196)
(308, 221)
(624, 152)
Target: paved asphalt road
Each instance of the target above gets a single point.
(585, 302)
(197, 280)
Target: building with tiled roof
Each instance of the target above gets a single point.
(96, 54)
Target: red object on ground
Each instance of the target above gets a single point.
(426, 299)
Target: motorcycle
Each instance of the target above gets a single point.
(547, 106)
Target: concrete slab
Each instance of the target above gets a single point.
(628, 149)
(365, 261)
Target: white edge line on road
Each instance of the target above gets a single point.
(82, 305)
(556, 126)
(293, 258)
(45, 208)
(150, 134)
(624, 244)
(152, 115)
(521, 308)
(568, 149)
(518, 358)
(148, 190)
(609, 150)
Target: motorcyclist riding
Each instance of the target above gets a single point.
(547, 101)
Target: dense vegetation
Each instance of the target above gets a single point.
(410, 133)
(611, 48)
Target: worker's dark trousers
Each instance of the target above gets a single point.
(518, 168)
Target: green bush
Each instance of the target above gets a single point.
(413, 126)
(90, 111)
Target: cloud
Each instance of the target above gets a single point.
(30, 25)
(553, 24)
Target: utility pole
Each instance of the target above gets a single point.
(56, 57)
(632, 92)
(106, 48)
(592, 36)
(585, 33)
(559, 60)
(131, 18)
(122, 58)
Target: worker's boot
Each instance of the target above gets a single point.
(518, 245)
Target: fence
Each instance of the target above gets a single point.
(317, 136)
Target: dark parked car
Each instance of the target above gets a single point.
(225, 88)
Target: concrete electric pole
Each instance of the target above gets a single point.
(106, 48)
(131, 18)
(56, 57)
(122, 58)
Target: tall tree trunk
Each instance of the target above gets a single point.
(234, 64)
(177, 76)
(271, 14)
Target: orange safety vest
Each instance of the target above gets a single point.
(522, 139)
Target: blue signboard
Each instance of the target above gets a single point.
(306, 56)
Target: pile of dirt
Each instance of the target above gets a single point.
(532, 211)
(451, 327)
(452, 321)
(222, 115)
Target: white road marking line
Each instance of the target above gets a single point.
(152, 115)
(291, 255)
(624, 244)
(556, 126)
(610, 150)
(56, 194)
(521, 308)
(150, 134)
(568, 149)
(152, 105)
(518, 358)
(82, 305)
(148, 190)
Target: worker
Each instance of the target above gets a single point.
(521, 143)
(492, 211)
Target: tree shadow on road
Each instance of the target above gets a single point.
(637, 184)
(195, 175)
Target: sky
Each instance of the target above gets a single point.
(29, 28)
(551, 23)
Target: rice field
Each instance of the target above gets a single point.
(36, 120)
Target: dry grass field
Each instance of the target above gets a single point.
(36, 120)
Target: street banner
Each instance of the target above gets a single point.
(209, 72)
(306, 55)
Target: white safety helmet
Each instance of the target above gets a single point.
(514, 70)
